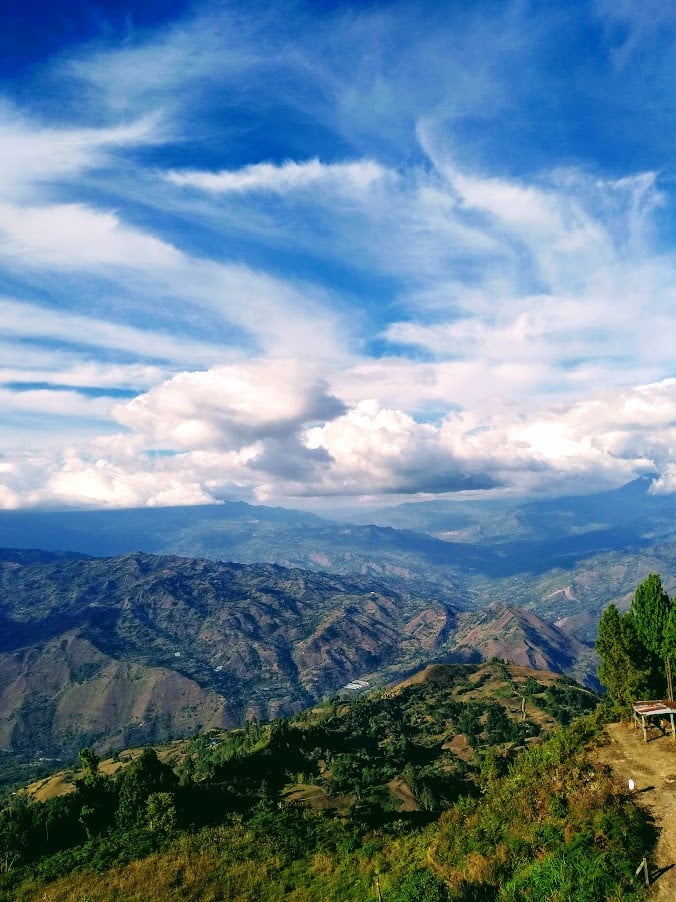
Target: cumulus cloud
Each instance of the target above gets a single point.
(231, 406)
(212, 444)
(610, 438)
(104, 483)
(380, 450)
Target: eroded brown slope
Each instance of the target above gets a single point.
(522, 637)
(55, 696)
(141, 648)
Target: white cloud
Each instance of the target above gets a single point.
(73, 236)
(610, 439)
(506, 363)
(103, 483)
(167, 68)
(230, 406)
(279, 179)
(281, 316)
(32, 154)
(214, 443)
(453, 326)
(38, 323)
(633, 24)
(86, 374)
(61, 403)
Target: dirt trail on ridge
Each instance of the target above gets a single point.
(652, 766)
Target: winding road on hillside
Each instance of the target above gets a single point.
(652, 767)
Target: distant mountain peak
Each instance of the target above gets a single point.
(521, 637)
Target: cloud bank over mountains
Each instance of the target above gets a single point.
(348, 255)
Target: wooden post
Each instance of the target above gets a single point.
(380, 895)
(523, 707)
(670, 685)
(645, 735)
(643, 866)
(673, 726)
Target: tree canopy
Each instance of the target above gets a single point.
(636, 647)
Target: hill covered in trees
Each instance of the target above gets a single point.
(461, 783)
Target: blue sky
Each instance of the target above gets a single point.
(326, 254)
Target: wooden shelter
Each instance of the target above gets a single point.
(645, 710)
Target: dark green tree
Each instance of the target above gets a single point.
(623, 670)
(161, 812)
(670, 647)
(145, 776)
(90, 764)
(650, 609)
(422, 884)
(15, 822)
(670, 635)
(95, 796)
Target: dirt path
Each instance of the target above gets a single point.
(652, 766)
(401, 791)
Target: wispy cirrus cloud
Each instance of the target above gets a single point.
(76, 236)
(33, 154)
(32, 322)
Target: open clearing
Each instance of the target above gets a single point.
(652, 766)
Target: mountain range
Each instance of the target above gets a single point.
(119, 651)
(563, 558)
(128, 626)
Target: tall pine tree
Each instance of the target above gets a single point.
(650, 609)
(636, 648)
(623, 669)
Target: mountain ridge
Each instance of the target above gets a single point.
(263, 639)
(602, 544)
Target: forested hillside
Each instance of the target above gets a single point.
(461, 783)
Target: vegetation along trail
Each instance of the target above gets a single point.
(652, 766)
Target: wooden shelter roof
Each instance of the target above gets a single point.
(654, 707)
